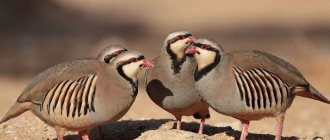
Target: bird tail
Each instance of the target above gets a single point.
(310, 92)
(15, 110)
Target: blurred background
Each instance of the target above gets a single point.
(36, 34)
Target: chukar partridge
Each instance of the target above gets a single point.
(110, 52)
(82, 94)
(248, 85)
(171, 85)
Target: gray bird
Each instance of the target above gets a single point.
(248, 85)
(171, 85)
(82, 94)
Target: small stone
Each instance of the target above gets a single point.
(5, 126)
(9, 132)
(318, 138)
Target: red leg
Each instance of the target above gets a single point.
(201, 126)
(60, 134)
(279, 127)
(84, 135)
(245, 128)
(60, 137)
(178, 122)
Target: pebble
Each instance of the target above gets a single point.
(5, 126)
(45, 129)
(9, 132)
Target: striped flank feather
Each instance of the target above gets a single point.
(73, 98)
(260, 89)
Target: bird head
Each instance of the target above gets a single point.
(177, 42)
(128, 64)
(204, 51)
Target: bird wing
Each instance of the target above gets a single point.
(76, 96)
(276, 69)
(248, 60)
(260, 88)
(36, 91)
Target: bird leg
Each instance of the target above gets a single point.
(279, 127)
(60, 137)
(178, 123)
(60, 134)
(201, 126)
(245, 128)
(84, 135)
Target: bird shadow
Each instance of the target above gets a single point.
(252, 136)
(122, 130)
(208, 129)
(132, 129)
(213, 130)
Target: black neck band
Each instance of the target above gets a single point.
(175, 64)
(134, 84)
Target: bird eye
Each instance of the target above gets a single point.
(180, 37)
(204, 46)
(133, 59)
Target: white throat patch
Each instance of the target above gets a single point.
(179, 47)
(131, 70)
(205, 58)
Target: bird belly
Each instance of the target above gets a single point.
(177, 99)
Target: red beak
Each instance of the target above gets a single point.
(147, 63)
(191, 50)
(191, 40)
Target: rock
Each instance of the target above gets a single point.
(4, 126)
(171, 135)
(167, 126)
(221, 136)
(9, 132)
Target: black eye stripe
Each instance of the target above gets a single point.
(210, 48)
(122, 63)
(141, 57)
(175, 39)
(120, 51)
(198, 45)
(116, 53)
(187, 35)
